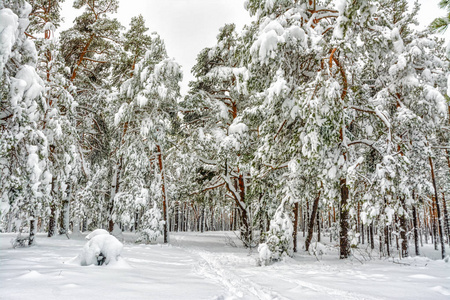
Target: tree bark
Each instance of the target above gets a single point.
(441, 234)
(372, 242)
(311, 222)
(52, 220)
(416, 231)
(403, 228)
(32, 231)
(446, 218)
(164, 194)
(295, 226)
(386, 240)
(344, 243)
(115, 184)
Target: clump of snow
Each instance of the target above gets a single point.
(264, 253)
(317, 249)
(341, 5)
(238, 128)
(8, 28)
(397, 40)
(96, 232)
(101, 249)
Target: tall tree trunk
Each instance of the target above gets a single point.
(344, 243)
(441, 234)
(65, 212)
(318, 225)
(246, 233)
(212, 224)
(386, 240)
(64, 218)
(295, 226)
(311, 222)
(416, 231)
(433, 228)
(164, 192)
(446, 218)
(115, 185)
(52, 220)
(372, 242)
(202, 219)
(403, 228)
(32, 231)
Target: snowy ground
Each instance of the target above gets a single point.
(208, 266)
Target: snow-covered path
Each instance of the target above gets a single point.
(205, 266)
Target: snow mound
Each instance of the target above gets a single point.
(317, 249)
(101, 249)
(31, 275)
(96, 232)
(441, 290)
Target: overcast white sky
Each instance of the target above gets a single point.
(188, 26)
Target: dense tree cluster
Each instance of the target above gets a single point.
(330, 117)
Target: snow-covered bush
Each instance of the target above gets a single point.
(152, 225)
(101, 249)
(279, 239)
(96, 232)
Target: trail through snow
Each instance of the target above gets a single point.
(209, 266)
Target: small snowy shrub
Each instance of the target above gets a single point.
(101, 249)
(96, 232)
(152, 225)
(279, 240)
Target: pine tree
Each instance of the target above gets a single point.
(148, 117)
(24, 178)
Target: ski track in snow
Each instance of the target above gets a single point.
(203, 266)
(333, 293)
(238, 286)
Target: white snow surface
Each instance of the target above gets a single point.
(96, 232)
(209, 266)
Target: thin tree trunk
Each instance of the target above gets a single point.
(64, 227)
(416, 231)
(386, 240)
(202, 219)
(114, 190)
(318, 225)
(403, 229)
(434, 230)
(372, 242)
(344, 243)
(295, 225)
(362, 233)
(311, 222)
(52, 220)
(446, 218)
(164, 194)
(32, 231)
(441, 234)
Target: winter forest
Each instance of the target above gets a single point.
(320, 131)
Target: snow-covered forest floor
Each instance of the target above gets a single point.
(210, 266)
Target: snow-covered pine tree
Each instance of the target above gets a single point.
(24, 178)
(91, 49)
(218, 134)
(57, 122)
(148, 117)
